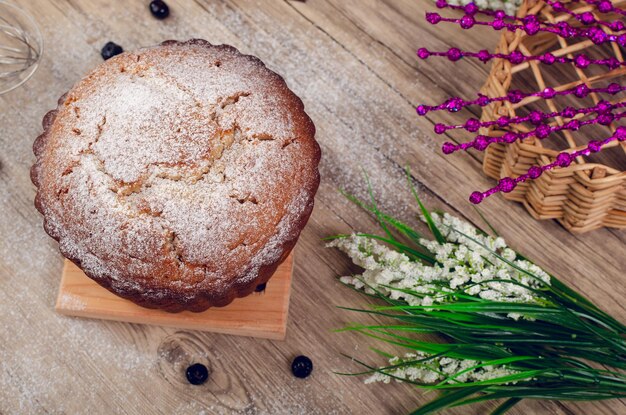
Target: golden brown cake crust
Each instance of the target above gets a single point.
(177, 176)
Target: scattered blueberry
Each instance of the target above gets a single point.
(110, 49)
(197, 374)
(301, 367)
(260, 288)
(159, 9)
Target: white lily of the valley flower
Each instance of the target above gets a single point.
(437, 370)
(468, 262)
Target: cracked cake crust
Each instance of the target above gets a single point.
(177, 176)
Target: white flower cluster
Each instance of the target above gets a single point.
(509, 6)
(437, 370)
(468, 263)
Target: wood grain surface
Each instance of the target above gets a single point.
(353, 63)
(261, 314)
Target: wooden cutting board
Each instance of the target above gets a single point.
(261, 314)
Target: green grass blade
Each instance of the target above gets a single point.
(491, 228)
(415, 254)
(517, 377)
(506, 405)
(480, 307)
(494, 362)
(447, 400)
(413, 235)
(377, 212)
(429, 220)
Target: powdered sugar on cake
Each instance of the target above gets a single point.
(160, 170)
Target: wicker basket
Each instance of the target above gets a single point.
(589, 194)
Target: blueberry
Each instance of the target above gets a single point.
(159, 9)
(197, 374)
(260, 288)
(110, 49)
(301, 367)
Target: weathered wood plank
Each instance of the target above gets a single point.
(353, 64)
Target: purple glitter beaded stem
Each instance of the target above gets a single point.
(580, 61)
(535, 117)
(508, 184)
(531, 25)
(604, 6)
(456, 104)
(585, 18)
(481, 142)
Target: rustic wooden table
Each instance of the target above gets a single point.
(354, 66)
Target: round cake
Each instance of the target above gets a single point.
(178, 176)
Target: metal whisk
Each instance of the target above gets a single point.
(20, 46)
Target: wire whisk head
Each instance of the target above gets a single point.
(20, 46)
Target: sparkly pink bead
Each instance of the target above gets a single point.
(433, 18)
(472, 125)
(548, 93)
(531, 25)
(613, 88)
(603, 106)
(605, 119)
(535, 117)
(476, 197)
(448, 148)
(534, 172)
(454, 54)
(531, 28)
(421, 110)
(483, 55)
(582, 61)
(563, 159)
(506, 185)
(442, 4)
(467, 22)
(454, 105)
(565, 30)
(498, 24)
(568, 112)
(516, 57)
(581, 91)
(440, 128)
(542, 131)
(586, 18)
(548, 58)
(613, 63)
(617, 26)
(503, 121)
(509, 137)
(481, 142)
(471, 8)
(594, 146)
(621, 39)
(499, 14)
(423, 53)
(596, 35)
(620, 133)
(483, 100)
(573, 125)
(605, 6)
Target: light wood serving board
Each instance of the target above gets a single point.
(261, 314)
